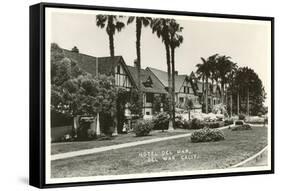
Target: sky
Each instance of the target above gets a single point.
(246, 42)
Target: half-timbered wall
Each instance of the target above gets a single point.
(121, 78)
(186, 92)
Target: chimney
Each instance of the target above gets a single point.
(176, 72)
(135, 63)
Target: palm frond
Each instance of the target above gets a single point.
(146, 21)
(130, 20)
(119, 26)
(101, 20)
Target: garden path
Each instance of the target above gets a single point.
(118, 146)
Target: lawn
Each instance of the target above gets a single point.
(172, 155)
(64, 147)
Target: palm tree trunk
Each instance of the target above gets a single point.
(238, 102)
(111, 45)
(212, 96)
(231, 106)
(206, 96)
(138, 47)
(248, 105)
(173, 81)
(111, 48)
(226, 98)
(203, 91)
(222, 93)
(171, 125)
(110, 35)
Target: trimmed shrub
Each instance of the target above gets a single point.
(143, 127)
(186, 124)
(196, 124)
(179, 122)
(207, 135)
(228, 122)
(260, 114)
(91, 134)
(106, 123)
(182, 123)
(84, 131)
(242, 127)
(239, 122)
(213, 125)
(241, 117)
(161, 121)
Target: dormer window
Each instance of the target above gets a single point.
(148, 83)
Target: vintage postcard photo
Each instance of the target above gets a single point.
(140, 95)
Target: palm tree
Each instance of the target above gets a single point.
(161, 27)
(140, 22)
(175, 41)
(112, 24)
(224, 67)
(203, 70)
(201, 76)
(230, 78)
(213, 74)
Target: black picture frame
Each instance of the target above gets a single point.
(37, 94)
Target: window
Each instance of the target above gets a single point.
(147, 113)
(149, 97)
(181, 100)
(118, 69)
(186, 89)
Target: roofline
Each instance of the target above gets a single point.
(183, 81)
(144, 70)
(147, 68)
(127, 70)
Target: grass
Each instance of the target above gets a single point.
(237, 146)
(64, 147)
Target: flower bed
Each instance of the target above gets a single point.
(255, 120)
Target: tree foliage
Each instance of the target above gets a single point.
(74, 92)
(247, 81)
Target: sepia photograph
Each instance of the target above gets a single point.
(132, 95)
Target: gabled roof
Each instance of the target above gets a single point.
(146, 76)
(179, 80)
(89, 63)
(95, 65)
(199, 87)
(163, 77)
(216, 89)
